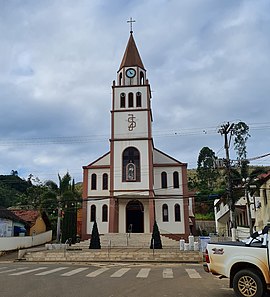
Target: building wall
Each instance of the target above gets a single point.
(170, 190)
(6, 228)
(171, 226)
(103, 227)
(119, 147)
(99, 191)
(134, 90)
(263, 212)
(38, 228)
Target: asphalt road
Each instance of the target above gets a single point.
(109, 280)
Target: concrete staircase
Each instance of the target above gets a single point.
(117, 248)
(132, 240)
(127, 255)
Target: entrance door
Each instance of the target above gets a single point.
(134, 217)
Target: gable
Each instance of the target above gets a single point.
(102, 161)
(8, 214)
(161, 158)
(30, 216)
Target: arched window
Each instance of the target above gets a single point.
(177, 216)
(93, 213)
(163, 180)
(120, 78)
(130, 100)
(93, 181)
(138, 99)
(176, 179)
(141, 78)
(165, 213)
(131, 165)
(104, 213)
(105, 181)
(122, 100)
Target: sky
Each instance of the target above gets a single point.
(207, 61)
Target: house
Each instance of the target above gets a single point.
(262, 216)
(38, 222)
(134, 184)
(222, 215)
(11, 224)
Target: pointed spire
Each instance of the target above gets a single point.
(131, 56)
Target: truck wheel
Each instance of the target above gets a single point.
(247, 283)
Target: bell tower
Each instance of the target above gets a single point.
(131, 139)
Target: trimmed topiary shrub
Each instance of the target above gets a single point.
(95, 241)
(156, 240)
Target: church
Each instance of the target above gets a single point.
(134, 184)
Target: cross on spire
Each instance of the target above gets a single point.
(131, 21)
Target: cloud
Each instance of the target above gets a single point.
(207, 62)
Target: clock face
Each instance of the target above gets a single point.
(130, 72)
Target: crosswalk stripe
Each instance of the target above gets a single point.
(13, 269)
(29, 271)
(52, 271)
(143, 273)
(167, 273)
(97, 272)
(120, 272)
(75, 271)
(192, 273)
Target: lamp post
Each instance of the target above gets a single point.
(58, 228)
(246, 185)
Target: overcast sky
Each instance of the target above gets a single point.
(208, 62)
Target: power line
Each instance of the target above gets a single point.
(104, 137)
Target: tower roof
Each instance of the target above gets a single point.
(131, 56)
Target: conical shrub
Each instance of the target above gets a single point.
(156, 239)
(95, 241)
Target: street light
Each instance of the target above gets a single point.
(246, 185)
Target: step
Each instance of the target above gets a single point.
(129, 240)
(115, 255)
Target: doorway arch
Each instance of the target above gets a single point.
(135, 217)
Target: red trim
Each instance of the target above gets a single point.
(185, 199)
(97, 167)
(112, 210)
(169, 165)
(84, 204)
(138, 109)
(127, 139)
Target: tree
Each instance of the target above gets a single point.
(95, 240)
(240, 134)
(156, 239)
(67, 198)
(246, 183)
(206, 169)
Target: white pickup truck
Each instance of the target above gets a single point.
(246, 264)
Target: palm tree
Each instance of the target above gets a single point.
(67, 198)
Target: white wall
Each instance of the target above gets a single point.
(170, 190)
(103, 227)
(99, 191)
(142, 146)
(15, 243)
(171, 226)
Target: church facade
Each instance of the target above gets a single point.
(134, 184)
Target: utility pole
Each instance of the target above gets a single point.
(226, 130)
